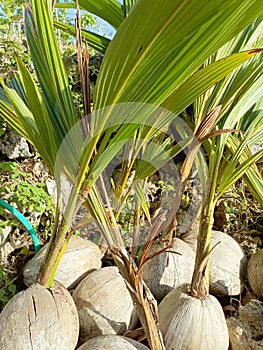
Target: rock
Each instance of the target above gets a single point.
(65, 188)
(14, 146)
(5, 251)
(256, 147)
(4, 233)
(246, 331)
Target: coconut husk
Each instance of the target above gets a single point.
(227, 264)
(255, 273)
(104, 304)
(81, 256)
(191, 323)
(169, 269)
(112, 342)
(40, 319)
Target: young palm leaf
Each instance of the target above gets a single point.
(229, 158)
(166, 48)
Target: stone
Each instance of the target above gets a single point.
(14, 146)
(246, 331)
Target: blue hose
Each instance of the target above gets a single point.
(24, 221)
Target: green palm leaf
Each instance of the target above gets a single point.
(127, 6)
(205, 78)
(96, 41)
(109, 10)
(165, 53)
(49, 67)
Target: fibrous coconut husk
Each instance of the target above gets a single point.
(169, 269)
(255, 273)
(104, 304)
(80, 257)
(227, 264)
(112, 342)
(40, 319)
(190, 323)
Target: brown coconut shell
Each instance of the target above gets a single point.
(191, 323)
(40, 319)
(104, 304)
(169, 269)
(227, 264)
(112, 342)
(255, 273)
(80, 257)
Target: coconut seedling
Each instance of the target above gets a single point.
(33, 319)
(187, 306)
(229, 156)
(140, 89)
(190, 322)
(228, 159)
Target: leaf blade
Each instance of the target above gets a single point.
(184, 47)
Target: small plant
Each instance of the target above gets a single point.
(28, 194)
(7, 288)
(20, 187)
(242, 211)
(32, 197)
